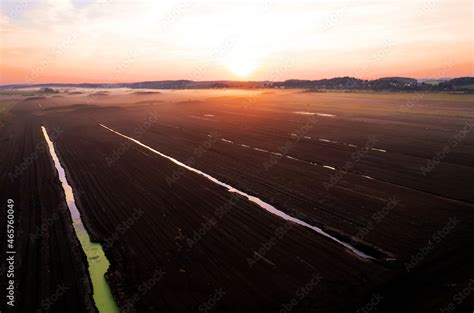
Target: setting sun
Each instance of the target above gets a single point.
(242, 67)
(245, 58)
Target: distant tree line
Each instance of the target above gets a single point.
(461, 84)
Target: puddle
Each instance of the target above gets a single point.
(325, 114)
(249, 147)
(266, 206)
(96, 259)
(314, 113)
(201, 118)
(304, 113)
(348, 144)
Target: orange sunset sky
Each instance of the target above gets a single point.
(125, 41)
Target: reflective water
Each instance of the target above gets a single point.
(266, 206)
(314, 113)
(96, 259)
(325, 114)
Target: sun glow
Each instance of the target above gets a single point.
(233, 40)
(242, 67)
(244, 60)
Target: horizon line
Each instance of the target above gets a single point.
(229, 80)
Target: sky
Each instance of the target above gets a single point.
(125, 41)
